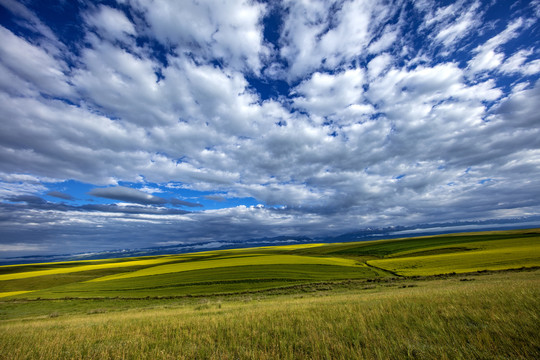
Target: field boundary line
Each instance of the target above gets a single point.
(310, 285)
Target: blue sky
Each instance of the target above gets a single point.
(132, 123)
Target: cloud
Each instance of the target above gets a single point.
(217, 198)
(384, 42)
(378, 64)
(319, 33)
(324, 94)
(487, 55)
(179, 202)
(131, 195)
(28, 68)
(452, 23)
(60, 195)
(20, 247)
(36, 203)
(35, 25)
(112, 231)
(29, 199)
(381, 112)
(19, 184)
(518, 109)
(520, 62)
(111, 23)
(229, 31)
(127, 194)
(129, 209)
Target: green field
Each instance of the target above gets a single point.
(472, 295)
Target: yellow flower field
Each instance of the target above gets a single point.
(233, 261)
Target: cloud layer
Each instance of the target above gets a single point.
(392, 113)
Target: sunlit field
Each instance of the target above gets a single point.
(467, 257)
(462, 296)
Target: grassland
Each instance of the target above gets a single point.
(463, 296)
(476, 256)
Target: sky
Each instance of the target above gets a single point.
(137, 123)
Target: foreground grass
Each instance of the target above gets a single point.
(496, 316)
(420, 298)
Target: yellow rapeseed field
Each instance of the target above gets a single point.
(11, 293)
(233, 261)
(79, 268)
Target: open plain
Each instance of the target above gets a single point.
(459, 296)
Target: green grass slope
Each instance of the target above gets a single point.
(493, 317)
(471, 256)
(210, 281)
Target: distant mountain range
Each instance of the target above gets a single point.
(360, 235)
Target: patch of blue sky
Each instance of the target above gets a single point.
(209, 200)
(76, 189)
(268, 89)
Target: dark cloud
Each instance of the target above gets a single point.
(123, 193)
(36, 203)
(178, 202)
(60, 195)
(108, 229)
(113, 208)
(127, 194)
(29, 199)
(217, 198)
(519, 108)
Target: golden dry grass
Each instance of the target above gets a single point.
(493, 317)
